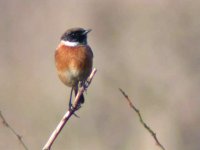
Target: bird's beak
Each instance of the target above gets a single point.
(87, 31)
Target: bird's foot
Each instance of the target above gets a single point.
(72, 108)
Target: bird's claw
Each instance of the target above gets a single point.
(72, 108)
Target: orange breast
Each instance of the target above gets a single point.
(73, 63)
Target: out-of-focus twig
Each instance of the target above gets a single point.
(153, 134)
(68, 114)
(19, 137)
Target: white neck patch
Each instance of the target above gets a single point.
(67, 43)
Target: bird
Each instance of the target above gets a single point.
(74, 60)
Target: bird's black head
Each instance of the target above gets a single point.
(76, 35)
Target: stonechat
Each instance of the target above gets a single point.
(74, 59)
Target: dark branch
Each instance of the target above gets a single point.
(19, 137)
(153, 134)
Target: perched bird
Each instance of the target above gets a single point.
(74, 59)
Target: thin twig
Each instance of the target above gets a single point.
(68, 114)
(19, 137)
(153, 134)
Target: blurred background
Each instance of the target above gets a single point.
(149, 48)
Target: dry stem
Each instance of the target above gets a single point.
(13, 131)
(68, 114)
(153, 134)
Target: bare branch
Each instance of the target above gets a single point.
(19, 137)
(153, 134)
(68, 114)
